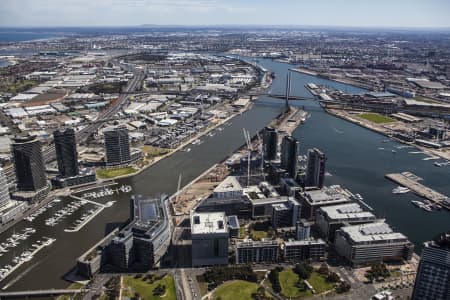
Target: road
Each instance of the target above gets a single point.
(82, 135)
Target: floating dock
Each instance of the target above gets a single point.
(410, 181)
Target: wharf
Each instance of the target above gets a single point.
(406, 180)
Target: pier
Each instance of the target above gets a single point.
(411, 182)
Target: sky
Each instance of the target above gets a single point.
(342, 13)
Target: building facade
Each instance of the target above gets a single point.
(270, 143)
(289, 154)
(4, 191)
(310, 249)
(433, 275)
(373, 242)
(210, 238)
(257, 252)
(29, 164)
(66, 152)
(117, 146)
(315, 169)
(331, 218)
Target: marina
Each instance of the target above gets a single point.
(106, 191)
(25, 257)
(63, 212)
(15, 239)
(41, 210)
(410, 181)
(85, 218)
(362, 172)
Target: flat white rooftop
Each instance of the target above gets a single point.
(204, 223)
(348, 211)
(327, 195)
(372, 232)
(228, 185)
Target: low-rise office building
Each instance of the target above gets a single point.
(327, 196)
(331, 218)
(139, 246)
(373, 242)
(285, 214)
(229, 188)
(308, 249)
(250, 251)
(209, 233)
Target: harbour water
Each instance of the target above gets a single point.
(354, 161)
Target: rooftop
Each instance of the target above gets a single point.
(229, 184)
(326, 195)
(372, 232)
(346, 212)
(213, 222)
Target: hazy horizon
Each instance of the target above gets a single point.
(399, 14)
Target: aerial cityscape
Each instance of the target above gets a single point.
(224, 150)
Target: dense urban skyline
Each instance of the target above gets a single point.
(351, 13)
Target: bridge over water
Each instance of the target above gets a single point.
(41, 293)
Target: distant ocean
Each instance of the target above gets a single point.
(17, 36)
(3, 63)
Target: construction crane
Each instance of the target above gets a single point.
(249, 146)
(261, 145)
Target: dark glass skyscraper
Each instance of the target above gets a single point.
(289, 154)
(66, 152)
(29, 164)
(315, 170)
(117, 145)
(433, 275)
(270, 143)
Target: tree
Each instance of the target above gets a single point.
(159, 290)
(323, 269)
(303, 270)
(343, 287)
(260, 294)
(332, 277)
(274, 280)
(301, 285)
(377, 270)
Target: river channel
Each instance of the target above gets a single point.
(355, 161)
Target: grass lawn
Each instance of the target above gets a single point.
(376, 118)
(111, 173)
(319, 283)
(236, 289)
(145, 289)
(257, 235)
(151, 151)
(288, 280)
(242, 232)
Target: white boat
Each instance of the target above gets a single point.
(422, 205)
(400, 190)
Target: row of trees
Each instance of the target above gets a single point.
(377, 270)
(274, 279)
(217, 275)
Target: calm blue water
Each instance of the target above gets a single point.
(356, 162)
(25, 36)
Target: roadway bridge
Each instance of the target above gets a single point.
(41, 293)
(282, 97)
